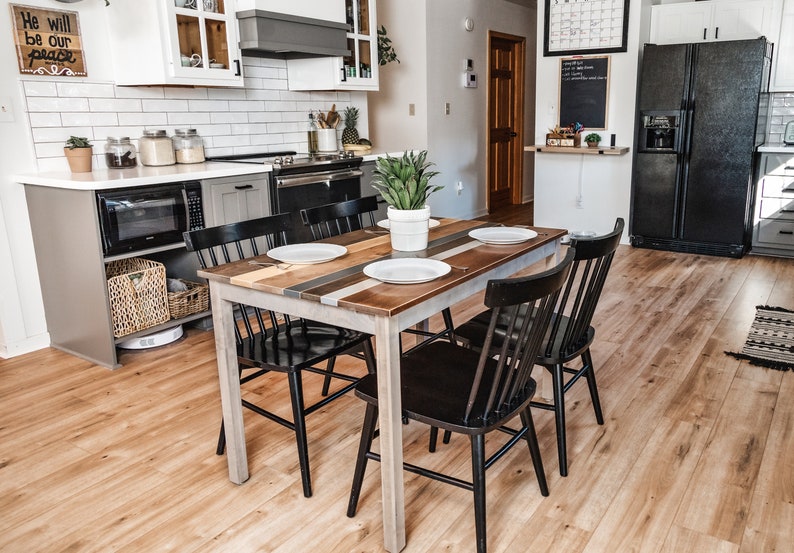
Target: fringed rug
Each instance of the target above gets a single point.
(770, 342)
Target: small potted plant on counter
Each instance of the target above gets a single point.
(404, 182)
(592, 139)
(79, 153)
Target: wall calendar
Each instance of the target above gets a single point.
(585, 27)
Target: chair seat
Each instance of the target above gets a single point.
(453, 370)
(301, 347)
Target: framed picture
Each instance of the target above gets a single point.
(585, 27)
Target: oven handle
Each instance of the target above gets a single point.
(317, 178)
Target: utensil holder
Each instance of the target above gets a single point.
(326, 140)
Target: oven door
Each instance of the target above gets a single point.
(139, 218)
(291, 193)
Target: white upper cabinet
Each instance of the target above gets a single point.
(358, 71)
(175, 42)
(783, 73)
(715, 20)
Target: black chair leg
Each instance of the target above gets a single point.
(589, 374)
(296, 397)
(478, 481)
(559, 416)
(221, 441)
(534, 451)
(329, 368)
(446, 314)
(365, 444)
(433, 439)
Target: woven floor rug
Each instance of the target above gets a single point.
(770, 342)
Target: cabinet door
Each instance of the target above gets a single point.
(236, 199)
(680, 23)
(783, 76)
(176, 42)
(358, 71)
(742, 20)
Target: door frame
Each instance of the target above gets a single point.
(519, 89)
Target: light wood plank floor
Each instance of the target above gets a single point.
(697, 453)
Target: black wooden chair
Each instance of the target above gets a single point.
(460, 390)
(338, 218)
(269, 342)
(571, 333)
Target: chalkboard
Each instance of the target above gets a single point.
(584, 91)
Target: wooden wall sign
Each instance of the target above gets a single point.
(48, 41)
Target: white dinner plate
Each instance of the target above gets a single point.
(407, 271)
(307, 254)
(503, 235)
(385, 223)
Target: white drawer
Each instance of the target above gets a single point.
(778, 164)
(777, 187)
(775, 232)
(777, 208)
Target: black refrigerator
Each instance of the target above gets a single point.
(701, 114)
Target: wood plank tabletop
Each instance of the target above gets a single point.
(341, 282)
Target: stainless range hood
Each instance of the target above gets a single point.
(264, 33)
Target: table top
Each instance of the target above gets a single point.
(341, 282)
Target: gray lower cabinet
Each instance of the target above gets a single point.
(71, 266)
(773, 232)
(233, 199)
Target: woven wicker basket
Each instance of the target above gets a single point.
(193, 300)
(137, 293)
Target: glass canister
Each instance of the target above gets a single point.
(120, 153)
(155, 148)
(188, 146)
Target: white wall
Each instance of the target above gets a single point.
(432, 44)
(605, 180)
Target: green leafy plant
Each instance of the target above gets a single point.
(593, 137)
(404, 182)
(386, 51)
(77, 142)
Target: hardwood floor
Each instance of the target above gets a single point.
(696, 454)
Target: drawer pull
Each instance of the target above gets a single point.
(786, 232)
(244, 187)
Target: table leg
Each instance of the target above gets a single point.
(229, 378)
(390, 420)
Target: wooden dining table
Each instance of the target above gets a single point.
(338, 292)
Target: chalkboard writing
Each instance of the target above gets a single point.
(48, 42)
(584, 91)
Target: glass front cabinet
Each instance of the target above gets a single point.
(175, 42)
(358, 70)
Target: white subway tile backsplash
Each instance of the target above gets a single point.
(90, 119)
(166, 106)
(85, 90)
(40, 88)
(115, 104)
(143, 119)
(263, 116)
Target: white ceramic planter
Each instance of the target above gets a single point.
(409, 228)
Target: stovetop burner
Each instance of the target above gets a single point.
(293, 162)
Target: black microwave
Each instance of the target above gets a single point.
(142, 217)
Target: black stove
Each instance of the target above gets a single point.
(290, 162)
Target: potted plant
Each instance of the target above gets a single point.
(404, 182)
(79, 153)
(592, 139)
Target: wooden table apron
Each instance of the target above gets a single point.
(382, 310)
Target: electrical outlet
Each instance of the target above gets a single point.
(579, 202)
(411, 109)
(446, 108)
(459, 187)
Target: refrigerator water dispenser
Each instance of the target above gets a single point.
(659, 132)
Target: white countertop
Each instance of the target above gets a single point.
(776, 149)
(105, 179)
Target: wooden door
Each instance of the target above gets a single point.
(506, 55)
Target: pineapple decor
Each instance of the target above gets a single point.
(350, 134)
